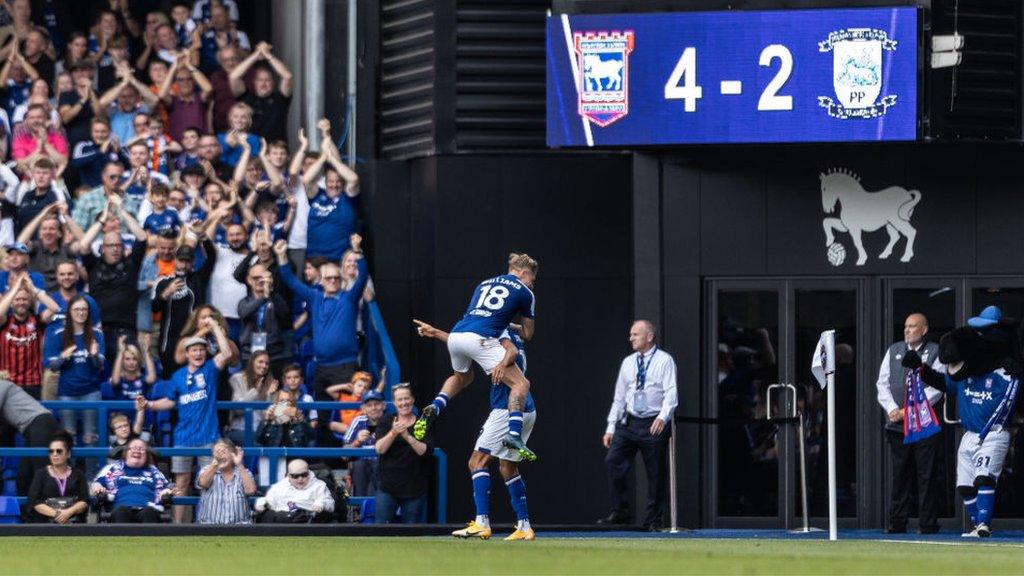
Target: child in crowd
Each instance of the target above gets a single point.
(293, 382)
(162, 217)
(122, 432)
(189, 150)
(351, 391)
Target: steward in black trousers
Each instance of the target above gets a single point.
(630, 437)
(914, 463)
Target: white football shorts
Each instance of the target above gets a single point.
(495, 428)
(467, 347)
(985, 459)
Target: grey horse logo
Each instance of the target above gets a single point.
(862, 211)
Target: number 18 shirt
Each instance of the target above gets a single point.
(494, 304)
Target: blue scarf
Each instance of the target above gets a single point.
(919, 420)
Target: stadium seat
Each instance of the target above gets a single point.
(10, 513)
(367, 511)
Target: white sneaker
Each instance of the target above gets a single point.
(971, 534)
(983, 530)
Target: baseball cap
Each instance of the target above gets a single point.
(17, 247)
(373, 395)
(195, 340)
(989, 316)
(185, 253)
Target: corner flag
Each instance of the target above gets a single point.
(824, 361)
(823, 366)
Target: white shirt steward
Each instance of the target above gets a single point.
(645, 391)
(660, 396)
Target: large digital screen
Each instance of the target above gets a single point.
(836, 75)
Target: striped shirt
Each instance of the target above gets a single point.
(224, 502)
(21, 350)
(360, 423)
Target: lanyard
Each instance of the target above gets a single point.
(261, 314)
(62, 483)
(641, 368)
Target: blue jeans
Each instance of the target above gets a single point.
(69, 418)
(413, 509)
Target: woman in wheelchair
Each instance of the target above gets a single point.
(135, 487)
(59, 493)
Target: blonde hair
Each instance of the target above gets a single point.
(243, 108)
(522, 262)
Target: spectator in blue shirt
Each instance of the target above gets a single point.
(194, 394)
(333, 208)
(332, 313)
(161, 218)
(88, 157)
(75, 351)
(134, 485)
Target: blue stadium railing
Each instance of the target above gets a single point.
(104, 408)
(379, 351)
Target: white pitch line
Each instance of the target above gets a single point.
(963, 543)
(575, 74)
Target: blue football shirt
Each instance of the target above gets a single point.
(495, 302)
(196, 396)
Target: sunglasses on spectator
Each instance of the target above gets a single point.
(331, 278)
(56, 450)
(298, 475)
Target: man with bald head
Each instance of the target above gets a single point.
(640, 420)
(911, 463)
(299, 498)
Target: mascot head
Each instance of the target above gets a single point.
(989, 341)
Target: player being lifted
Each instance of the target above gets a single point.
(489, 443)
(495, 302)
(985, 401)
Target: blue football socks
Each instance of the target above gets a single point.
(515, 423)
(482, 494)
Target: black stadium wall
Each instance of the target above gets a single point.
(444, 223)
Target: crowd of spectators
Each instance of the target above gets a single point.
(163, 243)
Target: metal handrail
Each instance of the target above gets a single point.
(794, 413)
(274, 453)
(103, 407)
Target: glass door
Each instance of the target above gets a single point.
(941, 301)
(763, 332)
(744, 332)
(1008, 294)
(815, 306)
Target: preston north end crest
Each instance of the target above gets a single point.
(857, 74)
(602, 61)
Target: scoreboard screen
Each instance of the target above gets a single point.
(833, 75)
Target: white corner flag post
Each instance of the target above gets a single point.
(823, 366)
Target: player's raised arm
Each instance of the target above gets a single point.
(427, 331)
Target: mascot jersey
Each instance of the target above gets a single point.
(983, 398)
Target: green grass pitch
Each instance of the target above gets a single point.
(256, 556)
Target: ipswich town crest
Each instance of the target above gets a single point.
(857, 73)
(602, 60)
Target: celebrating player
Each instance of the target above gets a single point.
(495, 302)
(985, 399)
(489, 443)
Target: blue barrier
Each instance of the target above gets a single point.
(103, 408)
(379, 348)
